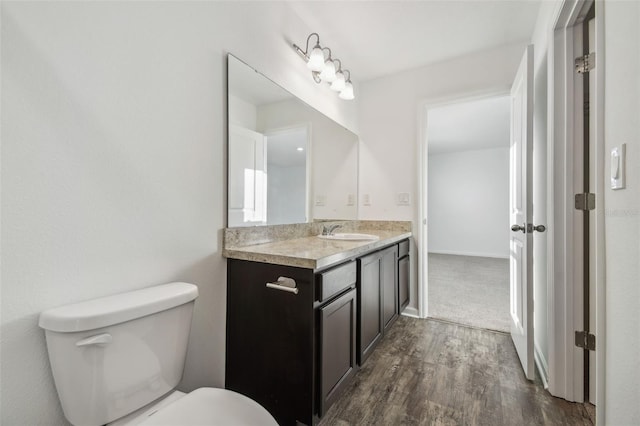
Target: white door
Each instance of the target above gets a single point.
(247, 195)
(520, 213)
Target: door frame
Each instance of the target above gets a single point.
(423, 164)
(566, 367)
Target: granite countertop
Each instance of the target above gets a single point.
(313, 252)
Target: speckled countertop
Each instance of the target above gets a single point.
(313, 252)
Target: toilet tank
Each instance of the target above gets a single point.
(113, 355)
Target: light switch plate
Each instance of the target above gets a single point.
(351, 199)
(618, 159)
(404, 199)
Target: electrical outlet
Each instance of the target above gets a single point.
(366, 200)
(320, 200)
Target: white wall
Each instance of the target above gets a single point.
(468, 203)
(622, 214)
(242, 113)
(113, 164)
(388, 119)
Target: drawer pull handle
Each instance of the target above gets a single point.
(284, 284)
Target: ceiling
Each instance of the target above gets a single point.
(378, 38)
(478, 124)
(251, 86)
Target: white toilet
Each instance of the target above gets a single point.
(116, 360)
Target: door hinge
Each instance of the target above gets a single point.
(585, 63)
(585, 340)
(585, 201)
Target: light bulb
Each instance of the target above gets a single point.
(316, 59)
(339, 83)
(328, 74)
(347, 92)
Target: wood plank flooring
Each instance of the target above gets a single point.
(430, 372)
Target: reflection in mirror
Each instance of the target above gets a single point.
(287, 162)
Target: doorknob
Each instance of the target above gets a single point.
(516, 228)
(529, 228)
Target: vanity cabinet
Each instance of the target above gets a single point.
(271, 347)
(337, 363)
(403, 275)
(389, 278)
(378, 298)
(369, 305)
(296, 337)
(292, 349)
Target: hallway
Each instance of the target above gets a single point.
(429, 372)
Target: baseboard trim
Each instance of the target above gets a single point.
(541, 364)
(410, 312)
(474, 254)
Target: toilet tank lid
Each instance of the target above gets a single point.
(116, 309)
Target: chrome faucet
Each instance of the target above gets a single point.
(328, 230)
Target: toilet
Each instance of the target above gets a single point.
(117, 360)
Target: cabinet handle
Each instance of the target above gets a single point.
(284, 284)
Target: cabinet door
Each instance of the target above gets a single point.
(369, 305)
(403, 281)
(337, 348)
(389, 282)
(270, 346)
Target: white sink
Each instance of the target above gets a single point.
(350, 237)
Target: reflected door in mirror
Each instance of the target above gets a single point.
(247, 177)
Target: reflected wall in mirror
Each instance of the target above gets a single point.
(287, 162)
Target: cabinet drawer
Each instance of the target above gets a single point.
(403, 248)
(335, 280)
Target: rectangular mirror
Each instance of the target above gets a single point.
(287, 162)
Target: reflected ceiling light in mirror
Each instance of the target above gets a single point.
(324, 68)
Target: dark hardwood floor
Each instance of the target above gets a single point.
(430, 372)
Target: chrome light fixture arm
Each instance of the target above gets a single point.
(305, 53)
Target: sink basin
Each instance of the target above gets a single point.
(350, 237)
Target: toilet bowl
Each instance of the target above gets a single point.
(117, 360)
(203, 406)
(210, 406)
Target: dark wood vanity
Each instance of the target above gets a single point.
(297, 335)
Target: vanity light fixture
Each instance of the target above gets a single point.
(347, 92)
(328, 73)
(323, 68)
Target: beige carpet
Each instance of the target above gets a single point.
(469, 290)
